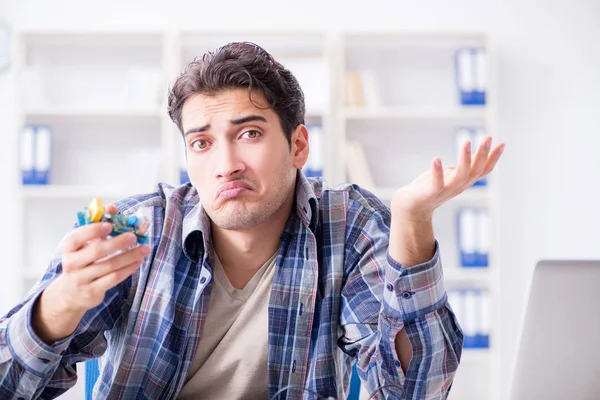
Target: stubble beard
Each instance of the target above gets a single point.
(241, 214)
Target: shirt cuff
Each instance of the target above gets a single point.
(412, 292)
(27, 348)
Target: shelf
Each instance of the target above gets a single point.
(391, 37)
(80, 192)
(472, 196)
(67, 36)
(92, 112)
(467, 113)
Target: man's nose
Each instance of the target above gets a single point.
(228, 162)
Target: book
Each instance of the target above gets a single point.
(353, 90)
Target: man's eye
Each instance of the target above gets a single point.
(200, 145)
(251, 134)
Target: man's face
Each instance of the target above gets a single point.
(238, 157)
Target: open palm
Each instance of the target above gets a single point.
(440, 184)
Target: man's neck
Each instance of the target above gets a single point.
(243, 252)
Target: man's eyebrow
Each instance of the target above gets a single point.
(197, 129)
(238, 121)
(249, 118)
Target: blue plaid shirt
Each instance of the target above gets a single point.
(337, 297)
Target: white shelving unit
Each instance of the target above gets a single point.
(104, 95)
(409, 114)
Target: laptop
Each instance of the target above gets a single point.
(559, 351)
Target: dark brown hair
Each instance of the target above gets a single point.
(241, 65)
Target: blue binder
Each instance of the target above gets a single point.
(314, 164)
(470, 309)
(27, 156)
(183, 176)
(36, 154)
(43, 154)
(472, 233)
(471, 75)
(466, 222)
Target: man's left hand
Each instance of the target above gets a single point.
(419, 199)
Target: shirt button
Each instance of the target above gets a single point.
(294, 366)
(203, 279)
(407, 295)
(390, 287)
(397, 363)
(44, 360)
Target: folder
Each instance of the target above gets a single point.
(467, 237)
(43, 154)
(465, 79)
(483, 334)
(480, 57)
(472, 310)
(482, 249)
(471, 318)
(314, 164)
(455, 299)
(27, 155)
(183, 174)
(473, 234)
(471, 75)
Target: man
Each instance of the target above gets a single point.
(257, 282)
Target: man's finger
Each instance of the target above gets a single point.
(481, 158)
(81, 235)
(438, 175)
(493, 158)
(113, 278)
(464, 164)
(111, 209)
(99, 250)
(105, 267)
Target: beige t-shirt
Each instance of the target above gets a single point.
(231, 360)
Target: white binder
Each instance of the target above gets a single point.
(43, 154)
(27, 155)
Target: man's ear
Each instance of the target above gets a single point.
(300, 149)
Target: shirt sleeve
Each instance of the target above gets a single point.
(30, 368)
(380, 298)
(413, 292)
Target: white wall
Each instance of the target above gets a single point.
(549, 97)
(7, 175)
